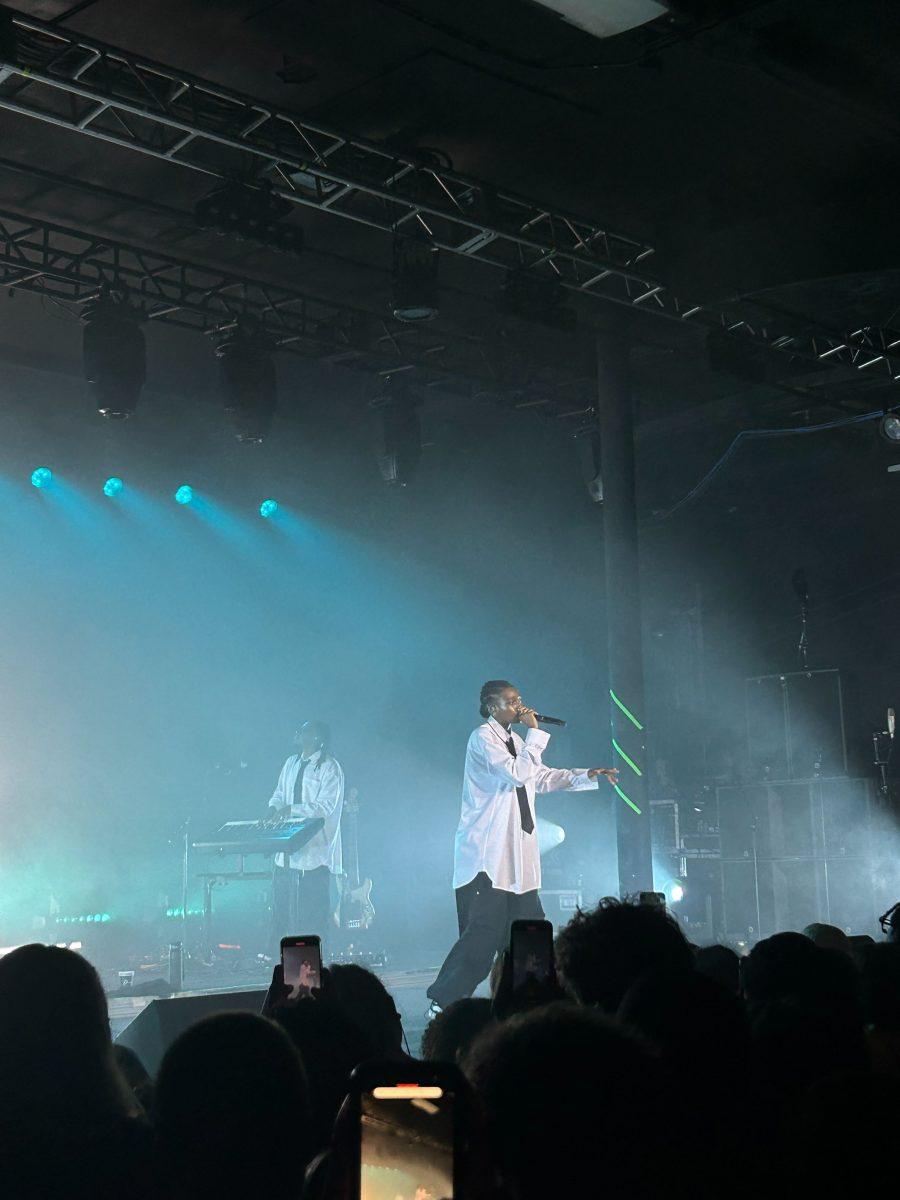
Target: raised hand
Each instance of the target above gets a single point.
(526, 716)
(611, 773)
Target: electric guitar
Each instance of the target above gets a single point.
(356, 908)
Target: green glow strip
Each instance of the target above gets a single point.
(630, 715)
(630, 803)
(621, 753)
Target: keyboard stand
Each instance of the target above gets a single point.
(213, 879)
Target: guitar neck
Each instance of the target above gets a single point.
(351, 815)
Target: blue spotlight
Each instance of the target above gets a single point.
(185, 494)
(268, 508)
(42, 477)
(113, 486)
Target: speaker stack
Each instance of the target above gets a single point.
(795, 846)
(154, 1029)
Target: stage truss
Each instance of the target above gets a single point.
(72, 267)
(98, 91)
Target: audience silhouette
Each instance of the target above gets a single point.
(660, 1069)
(563, 1089)
(69, 1125)
(451, 1033)
(232, 1110)
(600, 954)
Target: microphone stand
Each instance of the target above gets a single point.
(883, 757)
(185, 869)
(754, 830)
(803, 644)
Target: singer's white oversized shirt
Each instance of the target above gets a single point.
(490, 837)
(322, 795)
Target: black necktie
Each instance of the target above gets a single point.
(298, 782)
(524, 810)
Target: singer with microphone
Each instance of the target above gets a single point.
(497, 865)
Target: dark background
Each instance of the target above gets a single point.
(155, 660)
(158, 659)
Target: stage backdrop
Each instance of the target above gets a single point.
(156, 658)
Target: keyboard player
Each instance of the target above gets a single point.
(311, 784)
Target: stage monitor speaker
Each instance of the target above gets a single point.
(851, 895)
(664, 833)
(791, 894)
(158, 1025)
(560, 905)
(818, 818)
(774, 820)
(795, 725)
(846, 817)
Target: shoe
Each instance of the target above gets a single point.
(433, 1010)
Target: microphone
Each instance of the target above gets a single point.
(891, 722)
(557, 720)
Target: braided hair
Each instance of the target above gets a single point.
(490, 694)
(323, 733)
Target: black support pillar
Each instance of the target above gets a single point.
(623, 612)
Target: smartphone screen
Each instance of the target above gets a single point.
(406, 1142)
(301, 963)
(531, 950)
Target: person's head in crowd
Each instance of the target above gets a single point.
(702, 1033)
(791, 966)
(330, 1045)
(599, 954)
(369, 1005)
(56, 1055)
(805, 1007)
(890, 923)
(699, 1026)
(232, 1110)
(829, 937)
(880, 993)
(845, 1138)
(449, 1036)
(777, 967)
(135, 1074)
(720, 963)
(68, 1122)
(880, 985)
(562, 1089)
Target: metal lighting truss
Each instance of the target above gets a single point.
(85, 86)
(71, 266)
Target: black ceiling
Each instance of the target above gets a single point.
(751, 143)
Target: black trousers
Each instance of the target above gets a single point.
(301, 903)
(485, 915)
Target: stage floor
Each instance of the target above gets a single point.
(406, 986)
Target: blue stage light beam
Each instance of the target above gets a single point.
(113, 486)
(185, 494)
(268, 508)
(42, 477)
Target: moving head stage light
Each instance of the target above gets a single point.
(415, 279)
(250, 213)
(401, 431)
(247, 378)
(114, 356)
(889, 428)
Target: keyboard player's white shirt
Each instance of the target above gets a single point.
(322, 796)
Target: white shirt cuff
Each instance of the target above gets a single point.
(581, 782)
(537, 738)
